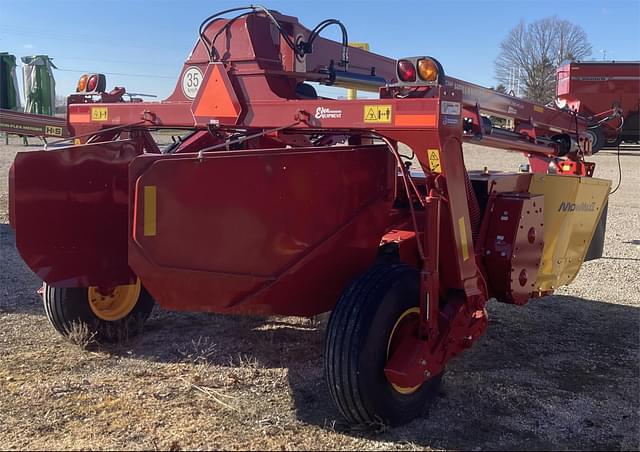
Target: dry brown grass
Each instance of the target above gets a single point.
(80, 335)
(199, 350)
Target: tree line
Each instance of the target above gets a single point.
(531, 53)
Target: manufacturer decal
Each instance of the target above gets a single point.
(53, 130)
(573, 207)
(479, 93)
(590, 79)
(327, 113)
(377, 113)
(191, 81)
(21, 127)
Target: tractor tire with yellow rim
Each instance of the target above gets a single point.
(106, 315)
(371, 316)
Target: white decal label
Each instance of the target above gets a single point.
(327, 113)
(449, 108)
(191, 81)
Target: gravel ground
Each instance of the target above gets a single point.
(559, 373)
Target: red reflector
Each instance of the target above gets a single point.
(92, 83)
(406, 71)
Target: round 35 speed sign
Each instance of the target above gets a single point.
(191, 81)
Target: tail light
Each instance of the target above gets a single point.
(91, 84)
(420, 71)
(406, 71)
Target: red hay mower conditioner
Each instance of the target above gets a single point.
(279, 201)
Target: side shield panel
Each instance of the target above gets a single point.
(572, 208)
(274, 232)
(69, 210)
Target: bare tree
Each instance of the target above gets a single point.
(531, 53)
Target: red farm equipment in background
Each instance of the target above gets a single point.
(280, 201)
(608, 94)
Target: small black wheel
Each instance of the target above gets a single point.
(104, 317)
(597, 139)
(371, 314)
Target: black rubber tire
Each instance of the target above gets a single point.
(356, 348)
(68, 306)
(597, 138)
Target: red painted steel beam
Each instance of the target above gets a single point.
(495, 103)
(33, 125)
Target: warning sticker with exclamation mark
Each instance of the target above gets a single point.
(434, 160)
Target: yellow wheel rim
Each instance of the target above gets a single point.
(402, 319)
(116, 304)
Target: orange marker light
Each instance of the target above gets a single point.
(427, 70)
(82, 83)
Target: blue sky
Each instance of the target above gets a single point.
(142, 44)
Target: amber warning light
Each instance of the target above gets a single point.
(91, 84)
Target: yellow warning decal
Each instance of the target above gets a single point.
(434, 160)
(377, 113)
(463, 239)
(538, 108)
(150, 210)
(99, 113)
